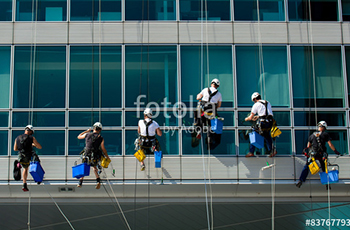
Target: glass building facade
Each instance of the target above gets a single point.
(64, 88)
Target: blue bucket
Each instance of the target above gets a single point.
(158, 159)
(217, 125)
(256, 139)
(81, 170)
(333, 177)
(36, 171)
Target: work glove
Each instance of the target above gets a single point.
(305, 152)
(336, 152)
(325, 156)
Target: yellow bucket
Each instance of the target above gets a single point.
(313, 167)
(275, 132)
(105, 162)
(140, 155)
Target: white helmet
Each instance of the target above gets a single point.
(255, 95)
(216, 82)
(148, 112)
(322, 124)
(30, 128)
(98, 125)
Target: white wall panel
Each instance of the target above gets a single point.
(54, 167)
(80, 32)
(245, 32)
(6, 172)
(110, 33)
(6, 32)
(210, 32)
(346, 32)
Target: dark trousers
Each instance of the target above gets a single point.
(266, 127)
(306, 170)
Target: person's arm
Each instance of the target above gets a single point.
(138, 130)
(36, 144)
(159, 132)
(332, 147)
(219, 104)
(15, 146)
(199, 96)
(251, 117)
(104, 150)
(83, 134)
(308, 144)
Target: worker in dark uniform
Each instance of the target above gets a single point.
(94, 148)
(317, 149)
(24, 145)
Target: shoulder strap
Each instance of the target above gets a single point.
(211, 95)
(266, 112)
(147, 125)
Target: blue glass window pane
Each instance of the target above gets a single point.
(169, 143)
(40, 119)
(220, 67)
(328, 79)
(5, 10)
(162, 118)
(271, 81)
(43, 10)
(48, 81)
(282, 118)
(112, 141)
(346, 10)
(158, 78)
(88, 10)
(3, 143)
(51, 141)
(5, 57)
(309, 119)
(196, 10)
(339, 140)
(84, 79)
(150, 10)
(270, 10)
(321, 10)
(188, 119)
(283, 144)
(347, 57)
(4, 119)
(226, 147)
(85, 118)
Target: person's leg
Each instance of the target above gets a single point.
(251, 151)
(303, 175)
(98, 179)
(80, 182)
(25, 176)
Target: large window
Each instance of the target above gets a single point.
(150, 75)
(3, 143)
(95, 80)
(5, 57)
(42, 10)
(87, 119)
(347, 56)
(95, 10)
(265, 72)
(321, 10)
(39, 77)
(197, 71)
(40, 119)
(346, 10)
(324, 83)
(52, 142)
(269, 10)
(150, 10)
(5, 10)
(309, 118)
(213, 10)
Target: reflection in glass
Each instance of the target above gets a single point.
(309, 118)
(40, 119)
(5, 10)
(3, 143)
(150, 10)
(43, 10)
(88, 10)
(211, 10)
(321, 10)
(87, 119)
(270, 10)
(5, 57)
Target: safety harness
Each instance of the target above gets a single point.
(265, 118)
(94, 153)
(147, 141)
(207, 105)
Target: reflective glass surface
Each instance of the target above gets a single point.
(87, 119)
(347, 57)
(4, 119)
(5, 57)
(88, 10)
(327, 80)
(150, 75)
(346, 10)
(309, 118)
(339, 140)
(195, 75)
(150, 10)
(43, 84)
(40, 119)
(267, 75)
(162, 118)
(211, 10)
(52, 142)
(321, 10)
(88, 84)
(5, 10)
(282, 118)
(112, 141)
(3, 143)
(42, 10)
(269, 10)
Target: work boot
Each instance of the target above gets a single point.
(299, 184)
(98, 184)
(80, 183)
(249, 154)
(25, 188)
